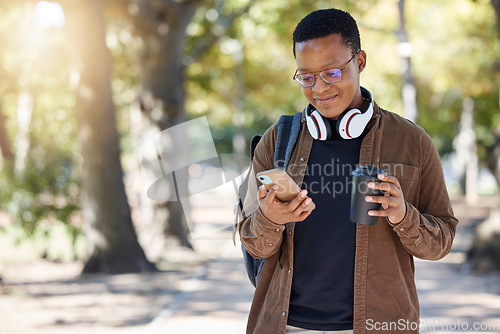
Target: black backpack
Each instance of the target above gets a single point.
(288, 132)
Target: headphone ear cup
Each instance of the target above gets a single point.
(346, 127)
(352, 123)
(317, 126)
(312, 127)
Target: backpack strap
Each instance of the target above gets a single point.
(288, 132)
(253, 145)
(244, 185)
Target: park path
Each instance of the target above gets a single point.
(453, 299)
(217, 299)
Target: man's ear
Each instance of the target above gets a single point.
(361, 60)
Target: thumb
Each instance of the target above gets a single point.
(262, 192)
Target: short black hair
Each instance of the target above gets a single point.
(326, 22)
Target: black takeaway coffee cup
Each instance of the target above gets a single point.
(361, 176)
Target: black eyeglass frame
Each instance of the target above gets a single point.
(319, 72)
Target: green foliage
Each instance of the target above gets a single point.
(45, 193)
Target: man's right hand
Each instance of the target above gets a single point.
(280, 212)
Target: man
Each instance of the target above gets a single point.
(324, 273)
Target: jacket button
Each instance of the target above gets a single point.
(289, 271)
(283, 314)
(270, 245)
(302, 159)
(277, 230)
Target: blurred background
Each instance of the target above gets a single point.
(85, 83)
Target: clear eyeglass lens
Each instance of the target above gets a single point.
(305, 79)
(332, 75)
(329, 76)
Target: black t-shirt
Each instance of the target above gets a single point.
(322, 295)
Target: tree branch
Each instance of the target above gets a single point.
(225, 22)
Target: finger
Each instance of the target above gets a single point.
(302, 206)
(308, 205)
(271, 195)
(387, 187)
(386, 200)
(380, 213)
(394, 215)
(386, 206)
(390, 211)
(303, 215)
(295, 203)
(391, 179)
(262, 193)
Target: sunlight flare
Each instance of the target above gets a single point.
(49, 14)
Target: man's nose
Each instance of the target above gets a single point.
(319, 84)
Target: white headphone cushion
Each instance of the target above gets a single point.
(323, 133)
(353, 123)
(312, 127)
(348, 127)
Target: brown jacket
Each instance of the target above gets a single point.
(385, 297)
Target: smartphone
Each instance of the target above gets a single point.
(288, 189)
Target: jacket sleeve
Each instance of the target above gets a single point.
(261, 237)
(428, 229)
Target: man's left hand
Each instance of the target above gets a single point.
(393, 203)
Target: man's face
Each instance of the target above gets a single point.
(331, 99)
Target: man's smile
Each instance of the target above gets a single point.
(326, 99)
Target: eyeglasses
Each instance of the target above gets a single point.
(329, 76)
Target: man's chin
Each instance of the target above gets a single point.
(328, 113)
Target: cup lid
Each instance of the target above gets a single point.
(368, 170)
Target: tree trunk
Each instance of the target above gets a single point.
(161, 28)
(465, 156)
(405, 49)
(5, 143)
(493, 157)
(496, 7)
(111, 239)
(24, 113)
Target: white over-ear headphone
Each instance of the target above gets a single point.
(351, 123)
